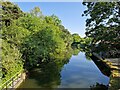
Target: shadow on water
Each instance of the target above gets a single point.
(101, 65)
(99, 87)
(47, 75)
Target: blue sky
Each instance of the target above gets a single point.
(69, 12)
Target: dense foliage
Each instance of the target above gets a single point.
(29, 39)
(103, 24)
(76, 38)
(11, 60)
(9, 12)
(81, 43)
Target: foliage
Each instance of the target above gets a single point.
(10, 12)
(85, 43)
(14, 34)
(103, 24)
(37, 37)
(43, 45)
(81, 43)
(45, 41)
(29, 39)
(11, 60)
(76, 38)
(36, 12)
(76, 51)
(66, 36)
(11, 40)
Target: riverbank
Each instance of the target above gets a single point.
(114, 65)
(115, 76)
(23, 77)
(14, 81)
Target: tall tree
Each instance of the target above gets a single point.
(103, 24)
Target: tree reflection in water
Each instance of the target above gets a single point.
(99, 86)
(48, 74)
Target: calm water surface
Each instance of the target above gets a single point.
(78, 72)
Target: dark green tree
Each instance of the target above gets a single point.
(103, 24)
(10, 12)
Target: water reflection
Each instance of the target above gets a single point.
(98, 86)
(46, 76)
(74, 71)
(102, 66)
(75, 51)
(81, 73)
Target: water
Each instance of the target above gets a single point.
(77, 72)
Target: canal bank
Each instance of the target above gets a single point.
(114, 66)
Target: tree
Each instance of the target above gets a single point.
(45, 41)
(12, 40)
(11, 60)
(76, 37)
(14, 34)
(66, 36)
(56, 20)
(29, 39)
(36, 12)
(10, 12)
(103, 24)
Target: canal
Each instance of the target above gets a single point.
(77, 72)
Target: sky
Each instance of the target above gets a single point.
(68, 12)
